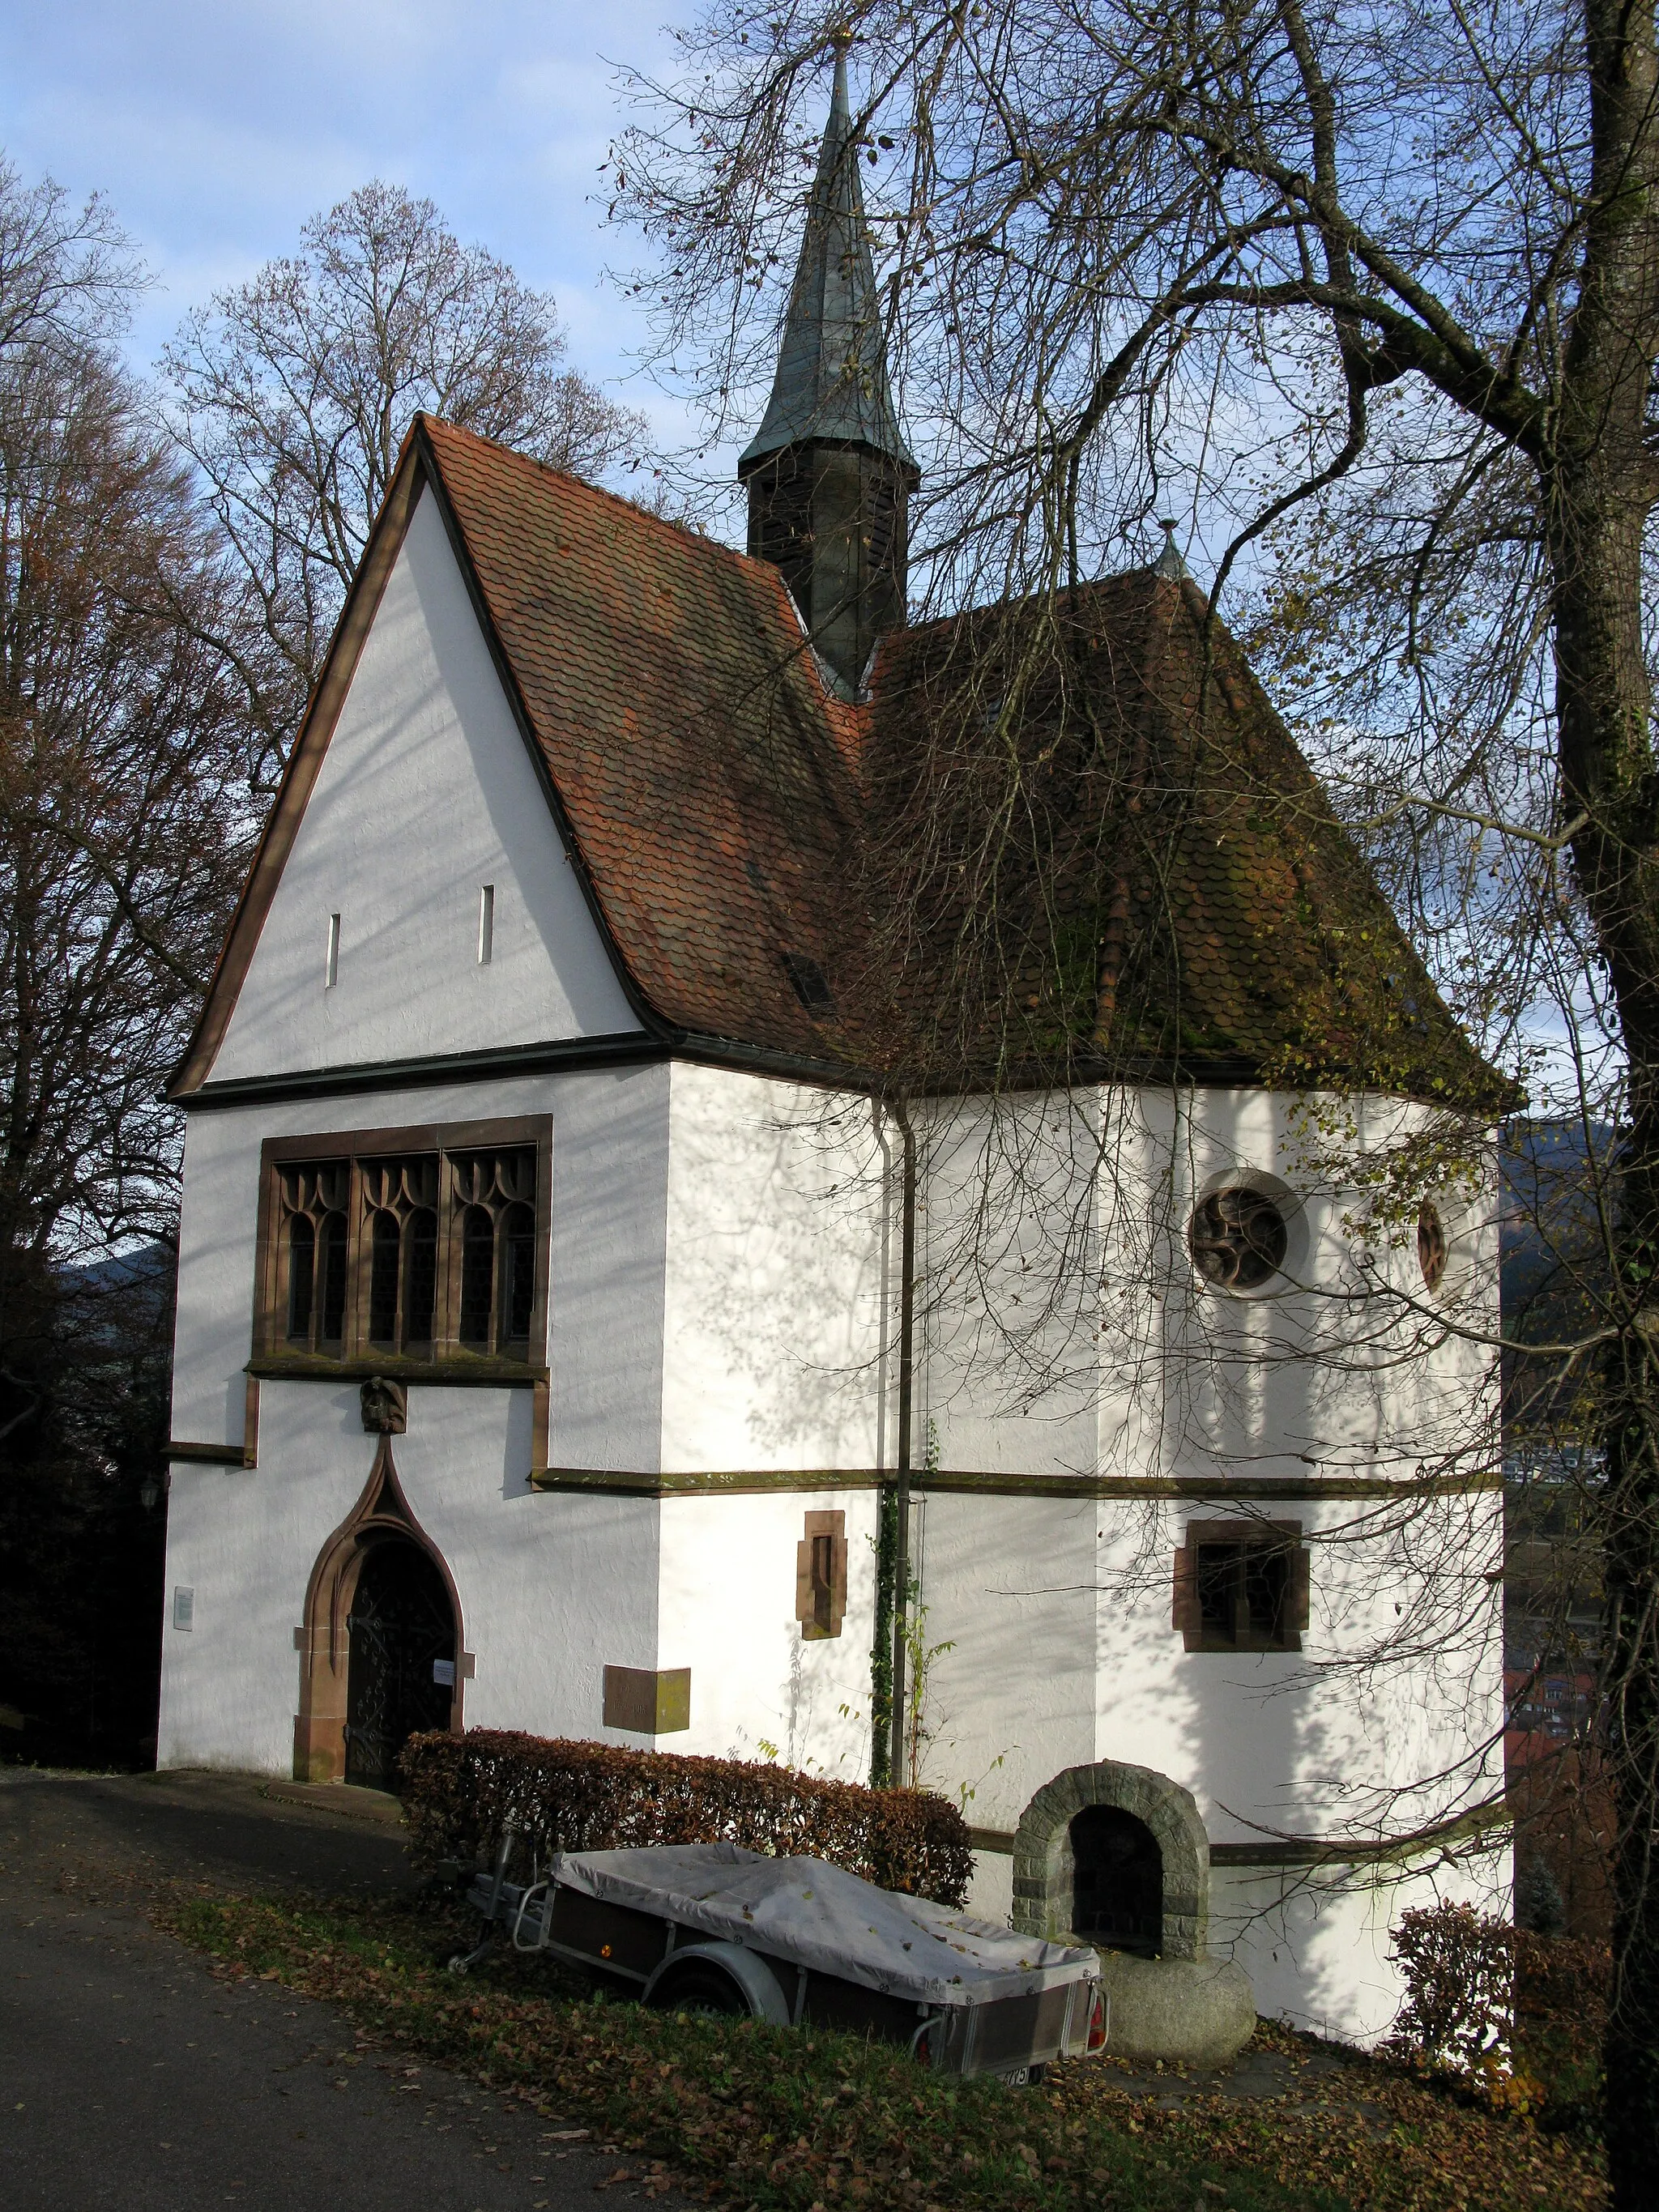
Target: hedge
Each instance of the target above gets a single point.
(569, 1795)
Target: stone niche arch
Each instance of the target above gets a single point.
(1042, 1851)
(323, 1640)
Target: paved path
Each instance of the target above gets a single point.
(132, 2078)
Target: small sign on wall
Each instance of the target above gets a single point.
(443, 1674)
(183, 1608)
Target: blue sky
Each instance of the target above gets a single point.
(216, 131)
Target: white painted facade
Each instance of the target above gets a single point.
(427, 793)
(721, 1296)
(677, 1344)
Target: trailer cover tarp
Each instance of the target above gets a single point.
(819, 1916)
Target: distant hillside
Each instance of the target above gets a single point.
(1559, 1187)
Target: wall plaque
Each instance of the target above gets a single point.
(647, 1704)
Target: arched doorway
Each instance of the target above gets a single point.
(1117, 1881)
(1070, 1857)
(380, 1648)
(400, 1665)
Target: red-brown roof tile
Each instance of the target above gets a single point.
(1174, 891)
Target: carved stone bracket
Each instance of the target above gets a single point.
(386, 1406)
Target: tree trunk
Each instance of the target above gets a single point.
(1614, 856)
(1598, 486)
(1602, 693)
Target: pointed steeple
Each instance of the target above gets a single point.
(1169, 562)
(829, 473)
(831, 378)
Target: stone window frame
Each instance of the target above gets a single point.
(1186, 1615)
(355, 1354)
(821, 1596)
(1042, 1855)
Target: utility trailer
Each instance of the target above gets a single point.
(712, 1928)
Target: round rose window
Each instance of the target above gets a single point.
(1430, 1245)
(1238, 1239)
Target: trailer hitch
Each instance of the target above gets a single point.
(463, 1962)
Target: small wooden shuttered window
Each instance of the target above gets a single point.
(1242, 1586)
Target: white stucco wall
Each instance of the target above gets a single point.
(609, 1213)
(539, 1578)
(555, 1585)
(725, 1607)
(1057, 1613)
(1067, 1330)
(774, 1323)
(551, 1588)
(722, 1294)
(426, 794)
(1317, 1944)
(1063, 1654)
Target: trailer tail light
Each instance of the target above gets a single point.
(1097, 2019)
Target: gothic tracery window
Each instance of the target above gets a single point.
(1239, 1238)
(404, 1251)
(400, 1199)
(493, 1194)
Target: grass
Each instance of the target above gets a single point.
(815, 2121)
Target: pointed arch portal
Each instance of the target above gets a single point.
(380, 1646)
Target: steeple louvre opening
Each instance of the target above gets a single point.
(828, 473)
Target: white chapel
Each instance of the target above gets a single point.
(577, 1333)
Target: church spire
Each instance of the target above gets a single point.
(829, 473)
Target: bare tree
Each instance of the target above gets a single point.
(124, 818)
(64, 271)
(293, 392)
(1372, 293)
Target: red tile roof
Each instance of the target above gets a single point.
(1164, 890)
(1165, 885)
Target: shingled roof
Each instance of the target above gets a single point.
(714, 796)
(1171, 886)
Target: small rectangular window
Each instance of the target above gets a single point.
(486, 925)
(1242, 1586)
(809, 983)
(332, 974)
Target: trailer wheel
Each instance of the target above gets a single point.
(700, 1989)
(721, 1979)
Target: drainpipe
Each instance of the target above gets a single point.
(906, 1374)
